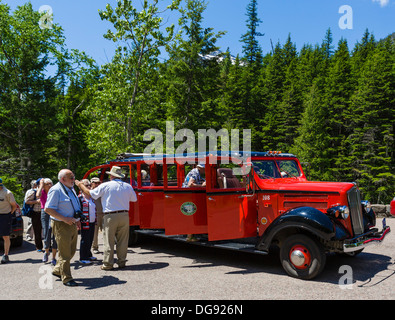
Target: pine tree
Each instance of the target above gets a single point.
(251, 49)
(372, 140)
(192, 76)
(311, 142)
(339, 88)
(283, 107)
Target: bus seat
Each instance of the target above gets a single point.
(226, 179)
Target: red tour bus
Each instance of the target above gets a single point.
(269, 203)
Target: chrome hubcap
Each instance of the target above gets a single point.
(297, 258)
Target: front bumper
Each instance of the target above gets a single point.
(364, 240)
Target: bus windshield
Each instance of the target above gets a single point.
(269, 169)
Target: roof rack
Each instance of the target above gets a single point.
(129, 155)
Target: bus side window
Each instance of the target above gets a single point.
(145, 175)
(172, 175)
(156, 173)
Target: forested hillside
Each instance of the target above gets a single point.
(331, 105)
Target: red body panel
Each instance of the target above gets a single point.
(151, 208)
(231, 216)
(185, 212)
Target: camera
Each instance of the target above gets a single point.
(79, 215)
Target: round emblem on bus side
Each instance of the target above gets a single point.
(188, 208)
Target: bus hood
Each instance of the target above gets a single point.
(293, 185)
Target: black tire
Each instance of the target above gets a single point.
(309, 254)
(17, 242)
(134, 237)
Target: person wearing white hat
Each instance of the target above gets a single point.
(115, 198)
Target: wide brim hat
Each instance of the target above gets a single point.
(95, 179)
(116, 172)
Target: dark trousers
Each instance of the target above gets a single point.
(48, 234)
(37, 229)
(86, 241)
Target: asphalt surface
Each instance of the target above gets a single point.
(162, 269)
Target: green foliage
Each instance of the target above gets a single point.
(251, 48)
(192, 79)
(126, 94)
(27, 94)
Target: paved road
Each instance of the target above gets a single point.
(165, 269)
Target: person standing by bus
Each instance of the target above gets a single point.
(7, 208)
(87, 227)
(45, 184)
(62, 205)
(95, 182)
(115, 197)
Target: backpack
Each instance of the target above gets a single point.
(27, 210)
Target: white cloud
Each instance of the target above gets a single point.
(383, 3)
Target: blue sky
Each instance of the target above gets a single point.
(306, 21)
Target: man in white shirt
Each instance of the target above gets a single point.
(115, 198)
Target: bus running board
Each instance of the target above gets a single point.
(237, 245)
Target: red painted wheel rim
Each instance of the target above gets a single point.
(300, 257)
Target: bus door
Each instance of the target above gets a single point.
(231, 210)
(150, 195)
(267, 175)
(184, 208)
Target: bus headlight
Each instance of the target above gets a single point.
(366, 204)
(345, 212)
(339, 211)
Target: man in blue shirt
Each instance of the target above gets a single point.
(61, 205)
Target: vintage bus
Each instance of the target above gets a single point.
(269, 202)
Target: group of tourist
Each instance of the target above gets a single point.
(59, 212)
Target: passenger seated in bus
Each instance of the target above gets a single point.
(194, 177)
(145, 179)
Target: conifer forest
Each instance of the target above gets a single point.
(329, 104)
